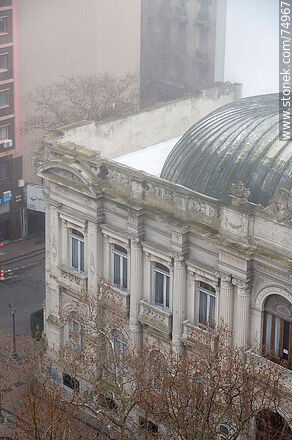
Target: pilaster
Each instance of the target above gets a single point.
(242, 313)
(226, 300)
(179, 298)
(136, 288)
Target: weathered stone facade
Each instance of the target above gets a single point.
(237, 254)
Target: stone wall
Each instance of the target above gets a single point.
(169, 120)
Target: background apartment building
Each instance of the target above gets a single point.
(11, 185)
(182, 47)
(172, 46)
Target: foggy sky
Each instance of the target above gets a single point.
(252, 45)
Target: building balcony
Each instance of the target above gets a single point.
(198, 337)
(121, 299)
(160, 320)
(73, 281)
(285, 375)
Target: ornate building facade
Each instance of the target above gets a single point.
(209, 240)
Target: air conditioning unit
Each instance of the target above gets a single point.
(6, 194)
(8, 143)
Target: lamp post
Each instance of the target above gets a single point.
(13, 352)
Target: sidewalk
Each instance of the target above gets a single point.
(20, 248)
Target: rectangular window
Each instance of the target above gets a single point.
(77, 251)
(206, 304)
(277, 337)
(3, 25)
(161, 286)
(76, 330)
(70, 382)
(3, 133)
(4, 169)
(120, 267)
(3, 61)
(4, 98)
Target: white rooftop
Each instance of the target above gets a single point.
(150, 159)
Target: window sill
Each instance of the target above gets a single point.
(71, 271)
(119, 290)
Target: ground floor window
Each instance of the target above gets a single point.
(70, 382)
(272, 426)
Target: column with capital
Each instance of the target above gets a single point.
(106, 258)
(136, 287)
(92, 249)
(242, 313)
(179, 298)
(226, 300)
(53, 329)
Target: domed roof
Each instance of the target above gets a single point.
(237, 142)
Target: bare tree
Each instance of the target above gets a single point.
(133, 392)
(91, 98)
(219, 391)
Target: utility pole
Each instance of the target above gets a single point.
(14, 354)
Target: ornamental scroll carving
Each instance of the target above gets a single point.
(240, 193)
(67, 174)
(281, 206)
(198, 206)
(119, 177)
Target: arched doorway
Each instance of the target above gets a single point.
(272, 426)
(277, 331)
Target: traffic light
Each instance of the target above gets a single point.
(1, 244)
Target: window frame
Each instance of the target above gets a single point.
(166, 294)
(280, 355)
(4, 69)
(8, 98)
(80, 249)
(6, 127)
(120, 343)
(209, 294)
(122, 256)
(75, 344)
(5, 19)
(7, 165)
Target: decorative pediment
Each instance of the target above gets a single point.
(61, 173)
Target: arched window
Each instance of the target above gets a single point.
(272, 426)
(76, 330)
(120, 267)
(207, 295)
(277, 334)
(157, 365)
(77, 250)
(120, 344)
(161, 285)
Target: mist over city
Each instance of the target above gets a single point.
(145, 220)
